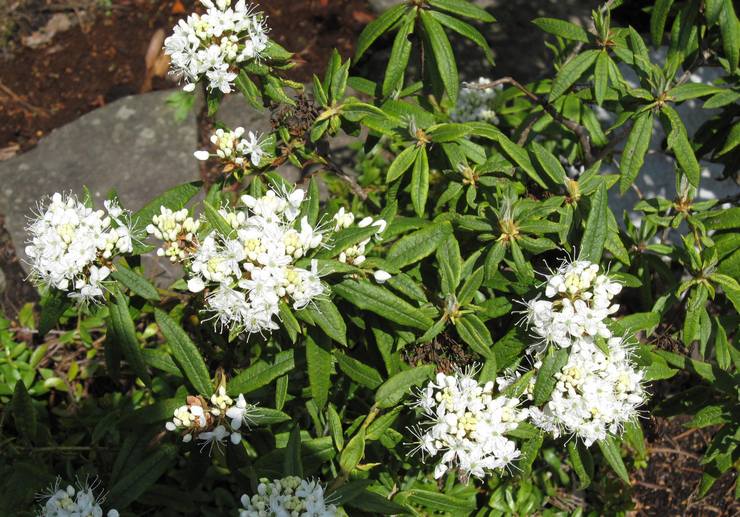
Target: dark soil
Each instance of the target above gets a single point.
(668, 485)
(102, 57)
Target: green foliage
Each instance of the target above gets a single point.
(472, 211)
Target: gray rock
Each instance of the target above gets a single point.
(133, 145)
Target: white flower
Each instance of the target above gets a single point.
(465, 423)
(251, 270)
(177, 230)
(224, 418)
(381, 276)
(288, 496)
(579, 300)
(70, 245)
(211, 45)
(595, 393)
(343, 219)
(74, 501)
(475, 103)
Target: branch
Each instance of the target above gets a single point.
(577, 129)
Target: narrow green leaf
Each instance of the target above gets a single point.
(216, 220)
(463, 8)
(354, 451)
(402, 163)
(657, 20)
(545, 383)
(465, 30)
(259, 375)
(186, 353)
(443, 55)
(320, 365)
(634, 151)
(326, 315)
(678, 142)
(420, 182)
(400, 54)
(293, 461)
(358, 371)
(571, 72)
(335, 427)
(594, 236)
(135, 282)
(418, 245)
(471, 285)
(450, 264)
(601, 76)
(582, 462)
(53, 305)
(610, 450)
(474, 332)
(392, 391)
(124, 334)
(730, 29)
(140, 478)
(562, 28)
(450, 504)
(382, 302)
(549, 163)
(377, 28)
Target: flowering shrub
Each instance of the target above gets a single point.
(460, 324)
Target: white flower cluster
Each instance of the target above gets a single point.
(467, 424)
(598, 390)
(355, 255)
(212, 44)
(474, 103)
(212, 424)
(71, 246)
(578, 302)
(73, 502)
(290, 496)
(253, 268)
(595, 394)
(232, 148)
(177, 230)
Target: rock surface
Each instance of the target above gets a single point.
(133, 145)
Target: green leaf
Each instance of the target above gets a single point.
(392, 391)
(402, 163)
(634, 151)
(571, 72)
(450, 264)
(443, 55)
(420, 182)
(594, 236)
(562, 28)
(612, 455)
(289, 321)
(353, 452)
(721, 346)
(292, 461)
(358, 371)
(346, 238)
(53, 305)
(216, 220)
(267, 416)
(260, 374)
(418, 245)
(688, 91)
(474, 332)
(657, 20)
(140, 478)
(549, 163)
(582, 462)
(24, 415)
(174, 199)
(250, 90)
(135, 282)
(545, 383)
(382, 302)
(708, 415)
(124, 334)
(730, 29)
(326, 315)
(400, 54)
(377, 28)
(465, 30)
(530, 448)
(320, 365)
(463, 8)
(471, 285)
(519, 155)
(678, 142)
(186, 353)
(335, 427)
(450, 504)
(601, 75)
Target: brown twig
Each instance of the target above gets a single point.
(15, 97)
(577, 129)
(680, 452)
